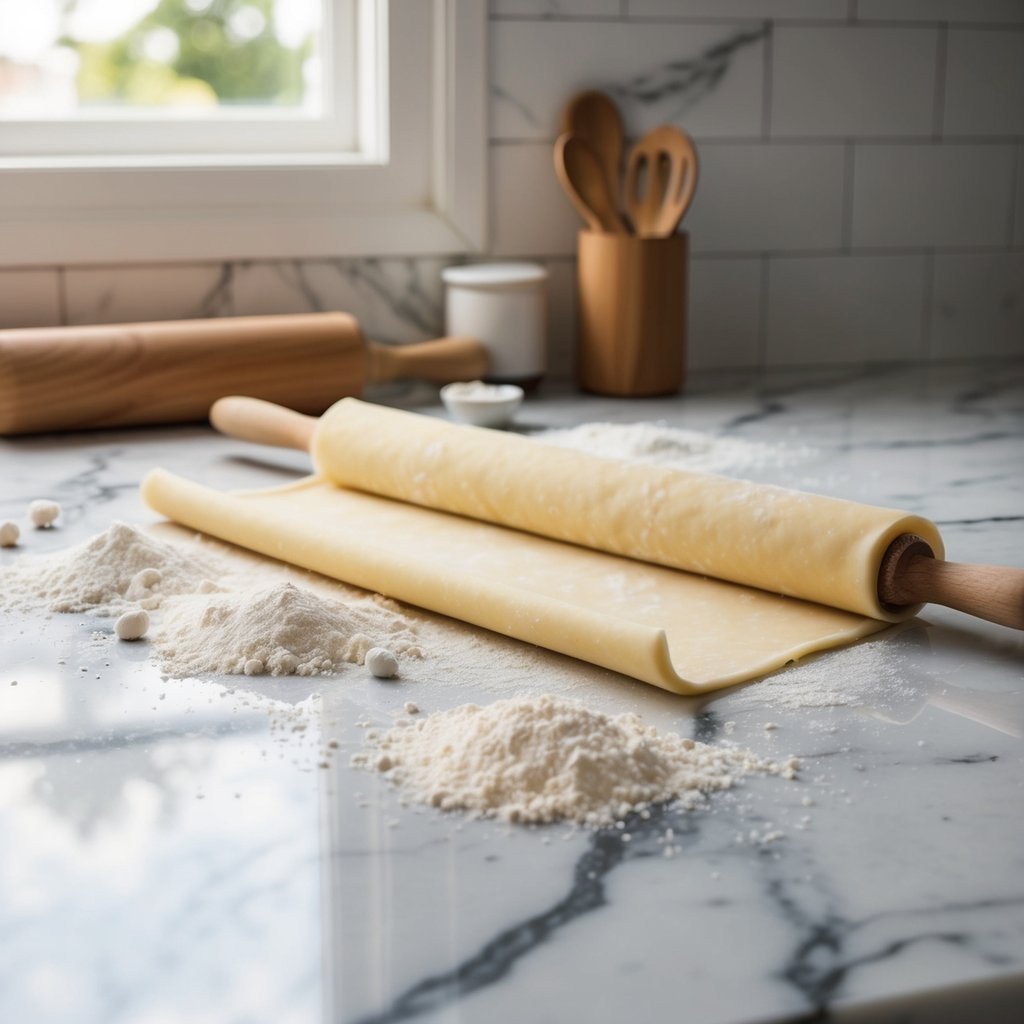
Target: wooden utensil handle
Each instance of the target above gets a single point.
(442, 361)
(911, 574)
(252, 419)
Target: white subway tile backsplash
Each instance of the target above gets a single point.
(844, 309)
(779, 9)
(396, 300)
(851, 80)
(706, 78)
(750, 198)
(932, 195)
(941, 10)
(118, 294)
(725, 313)
(530, 215)
(29, 298)
(767, 197)
(978, 306)
(556, 8)
(984, 83)
(814, 122)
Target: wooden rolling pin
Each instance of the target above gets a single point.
(909, 573)
(67, 378)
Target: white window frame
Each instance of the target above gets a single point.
(416, 186)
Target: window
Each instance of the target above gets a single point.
(219, 129)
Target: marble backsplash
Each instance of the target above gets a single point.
(861, 198)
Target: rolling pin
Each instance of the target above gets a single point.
(67, 378)
(905, 573)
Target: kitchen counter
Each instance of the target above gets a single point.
(174, 851)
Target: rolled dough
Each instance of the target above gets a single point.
(387, 511)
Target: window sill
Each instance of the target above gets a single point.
(427, 197)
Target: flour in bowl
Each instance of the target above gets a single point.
(544, 759)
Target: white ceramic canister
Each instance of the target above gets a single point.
(504, 305)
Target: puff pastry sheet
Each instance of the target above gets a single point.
(677, 630)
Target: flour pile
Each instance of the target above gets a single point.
(245, 623)
(661, 445)
(278, 630)
(107, 574)
(546, 759)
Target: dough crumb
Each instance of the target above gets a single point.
(411, 708)
(132, 625)
(381, 663)
(43, 513)
(9, 534)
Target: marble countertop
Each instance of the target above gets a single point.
(172, 850)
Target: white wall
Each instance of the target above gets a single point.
(861, 198)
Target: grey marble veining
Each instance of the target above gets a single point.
(172, 850)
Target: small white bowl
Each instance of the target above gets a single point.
(482, 405)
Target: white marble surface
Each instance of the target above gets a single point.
(171, 851)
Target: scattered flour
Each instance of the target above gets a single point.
(874, 673)
(662, 445)
(106, 575)
(277, 630)
(545, 759)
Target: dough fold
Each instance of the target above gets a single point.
(673, 629)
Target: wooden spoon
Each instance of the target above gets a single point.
(583, 179)
(593, 117)
(909, 573)
(665, 160)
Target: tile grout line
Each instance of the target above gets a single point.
(925, 353)
(62, 296)
(1015, 212)
(939, 93)
(724, 21)
(762, 316)
(926, 139)
(846, 240)
(766, 80)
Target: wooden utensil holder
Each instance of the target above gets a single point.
(632, 313)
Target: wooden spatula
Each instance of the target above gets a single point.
(909, 574)
(661, 177)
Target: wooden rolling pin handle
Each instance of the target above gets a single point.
(252, 419)
(911, 574)
(442, 361)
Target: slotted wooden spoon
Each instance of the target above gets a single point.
(661, 177)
